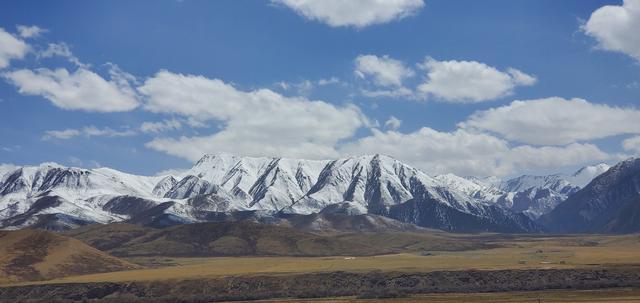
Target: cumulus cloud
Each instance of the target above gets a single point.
(30, 31)
(556, 121)
(259, 122)
(616, 28)
(353, 13)
(305, 87)
(161, 126)
(87, 131)
(632, 144)
(11, 48)
(92, 131)
(520, 78)
(61, 134)
(465, 152)
(389, 93)
(384, 71)
(61, 49)
(264, 123)
(80, 90)
(469, 81)
(393, 123)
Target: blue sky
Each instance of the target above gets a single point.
(321, 80)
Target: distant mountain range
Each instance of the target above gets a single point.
(608, 204)
(368, 192)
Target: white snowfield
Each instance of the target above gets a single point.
(227, 183)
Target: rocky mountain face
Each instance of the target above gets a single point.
(608, 204)
(533, 196)
(227, 187)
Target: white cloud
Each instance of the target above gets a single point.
(389, 93)
(384, 71)
(75, 161)
(80, 90)
(10, 149)
(393, 123)
(61, 50)
(470, 153)
(632, 144)
(556, 121)
(264, 123)
(30, 31)
(469, 81)
(61, 134)
(92, 131)
(328, 81)
(353, 13)
(11, 48)
(616, 28)
(305, 87)
(159, 127)
(259, 122)
(521, 78)
(87, 131)
(283, 85)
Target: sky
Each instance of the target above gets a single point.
(466, 87)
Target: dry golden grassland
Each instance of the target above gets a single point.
(37, 255)
(524, 252)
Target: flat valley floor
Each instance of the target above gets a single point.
(513, 252)
(425, 267)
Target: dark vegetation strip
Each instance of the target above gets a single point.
(316, 285)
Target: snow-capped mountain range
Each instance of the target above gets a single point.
(610, 203)
(226, 185)
(527, 194)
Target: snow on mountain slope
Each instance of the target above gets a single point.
(474, 187)
(82, 192)
(586, 174)
(557, 182)
(267, 182)
(610, 203)
(6, 168)
(164, 186)
(74, 183)
(531, 195)
(224, 183)
(374, 182)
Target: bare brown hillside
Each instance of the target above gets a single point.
(31, 255)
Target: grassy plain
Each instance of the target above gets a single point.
(513, 252)
(40, 255)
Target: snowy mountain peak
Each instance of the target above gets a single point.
(592, 169)
(226, 183)
(584, 175)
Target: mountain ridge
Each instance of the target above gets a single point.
(225, 183)
(610, 203)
